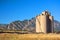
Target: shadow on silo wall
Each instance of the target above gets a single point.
(49, 28)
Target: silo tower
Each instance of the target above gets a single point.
(44, 23)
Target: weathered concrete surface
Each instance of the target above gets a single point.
(44, 23)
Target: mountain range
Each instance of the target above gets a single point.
(26, 25)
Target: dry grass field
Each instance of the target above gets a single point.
(9, 36)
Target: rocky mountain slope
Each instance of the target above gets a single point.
(27, 25)
(56, 25)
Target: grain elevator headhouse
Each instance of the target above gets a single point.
(44, 23)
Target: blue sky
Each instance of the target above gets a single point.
(12, 10)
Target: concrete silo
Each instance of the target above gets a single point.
(44, 23)
(38, 24)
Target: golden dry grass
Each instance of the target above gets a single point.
(6, 36)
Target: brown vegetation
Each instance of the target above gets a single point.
(9, 36)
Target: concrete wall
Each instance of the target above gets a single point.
(44, 23)
(38, 24)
